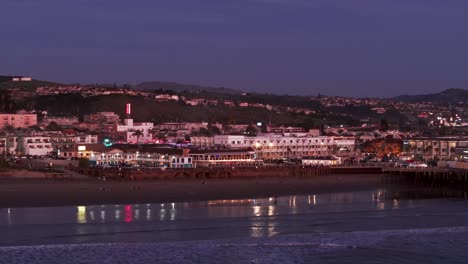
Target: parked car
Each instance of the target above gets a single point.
(401, 164)
(418, 165)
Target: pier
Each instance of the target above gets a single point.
(125, 174)
(431, 177)
(137, 174)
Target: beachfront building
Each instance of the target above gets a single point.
(63, 142)
(151, 156)
(224, 158)
(428, 148)
(34, 145)
(118, 157)
(17, 120)
(272, 146)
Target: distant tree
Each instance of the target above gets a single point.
(202, 132)
(84, 163)
(138, 134)
(443, 131)
(384, 125)
(227, 129)
(7, 105)
(213, 130)
(422, 123)
(53, 126)
(9, 129)
(35, 128)
(251, 130)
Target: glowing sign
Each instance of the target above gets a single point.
(128, 109)
(81, 148)
(107, 142)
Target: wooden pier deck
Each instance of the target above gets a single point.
(123, 173)
(201, 173)
(433, 177)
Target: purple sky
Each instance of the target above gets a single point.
(335, 47)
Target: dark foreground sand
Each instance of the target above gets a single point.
(32, 193)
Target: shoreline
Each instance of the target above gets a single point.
(44, 193)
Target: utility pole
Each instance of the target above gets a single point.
(6, 145)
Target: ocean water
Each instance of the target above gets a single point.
(375, 226)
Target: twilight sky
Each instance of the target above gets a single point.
(335, 47)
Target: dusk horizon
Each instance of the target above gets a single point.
(328, 88)
(332, 47)
(248, 131)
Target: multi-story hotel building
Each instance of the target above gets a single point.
(35, 145)
(18, 120)
(26, 145)
(429, 148)
(271, 146)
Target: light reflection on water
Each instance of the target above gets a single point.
(258, 209)
(218, 219)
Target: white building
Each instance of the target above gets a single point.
(145, 157)
(21, 79)
(271, 146)
(429, 148)
(224, 158)
(35, 145)
(135, 132)
(129, 129)
(202, 142)
(10, 142)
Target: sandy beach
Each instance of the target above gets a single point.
(34, 193)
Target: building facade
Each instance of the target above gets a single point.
(145, 157)
(129, 130)
(61, 121)
(272, 146)
(18, 120)
(224, 158)
(34, 145)
(102, 118)
(428, 148)
(63, 143)
(202, 142)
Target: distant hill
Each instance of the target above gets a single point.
(30, 86)
(4, 78)
(453, 96)
(177, 87)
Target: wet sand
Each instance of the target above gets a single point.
(35, 193)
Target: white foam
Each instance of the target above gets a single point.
(280, 249)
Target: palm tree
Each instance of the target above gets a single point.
(7, 104)
(138, 134)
